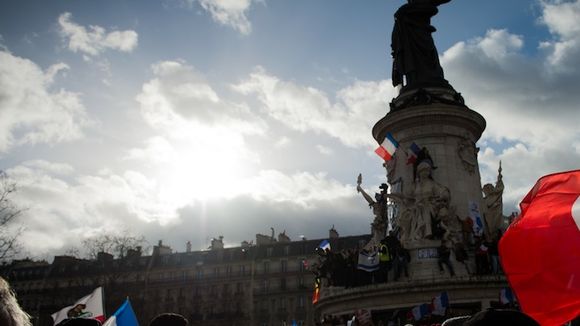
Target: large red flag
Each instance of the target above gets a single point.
(540, 251)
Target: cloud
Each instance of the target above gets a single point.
(62, 201)
(179, 96)
(529, 102)
(303, 189)
(561, 18)
(349, 119)
(96, 39)
(230, 13)
(32, 113)
(324, 150)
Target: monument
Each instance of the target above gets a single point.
(433, 179)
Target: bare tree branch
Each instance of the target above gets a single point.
(9, 213)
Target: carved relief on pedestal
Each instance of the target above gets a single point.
(424, 212)
(467, 152)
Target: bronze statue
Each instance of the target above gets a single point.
(413, 49)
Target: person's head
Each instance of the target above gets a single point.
(496, 317)
(487, 189)
(10, 312)
(79, 322)
(169, 319)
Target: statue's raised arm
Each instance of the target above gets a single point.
(360, 190)
(415, 59)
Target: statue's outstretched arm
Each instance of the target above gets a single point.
(368, 198)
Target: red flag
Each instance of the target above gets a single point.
(540, 251)
(316, 295)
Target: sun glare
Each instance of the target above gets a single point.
(201, 169)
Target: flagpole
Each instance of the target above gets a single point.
(103, 302)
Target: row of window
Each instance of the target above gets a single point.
(266, 285)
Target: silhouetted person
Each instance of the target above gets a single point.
(169, 319)
(444, 254)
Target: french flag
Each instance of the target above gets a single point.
(124, 316)
(439, 304)
(324, 245)
(387, 148)
(413, 153)
(506, 296)
(420, 311)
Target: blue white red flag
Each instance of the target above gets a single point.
(368, 261)
(475, 216)
(387, 148)
(324, 245)
(506, 296)
(124, 316)
(413, 153)
(420, 311)
(439, 304)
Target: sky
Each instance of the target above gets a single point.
(184, 120)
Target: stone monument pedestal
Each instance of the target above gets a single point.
(449, 132)
(424, 261)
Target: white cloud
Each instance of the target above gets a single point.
(304, 189)
(324, 150)
(30, 112)
(282, 142)
(302, 108)
(230, 12)
(530, 103)
(180, 95)
(561, 18)
(59, 201)
(96, 39)
(62, 202)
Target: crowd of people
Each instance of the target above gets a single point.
(11, 314)
(486, 317)
(341, 268)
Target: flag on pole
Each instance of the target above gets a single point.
(387, 148)
(316, 295)
(413, 153)
(124, 316)
(475, 216)
(439, 304)
(324, 245)
(539, 251)
(420, 311)
(368, 261)
(90, 306)
(506, 296)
